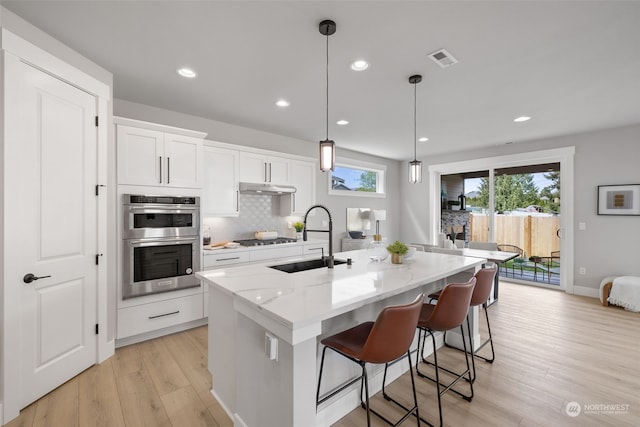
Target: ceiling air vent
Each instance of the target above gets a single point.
(443, 58)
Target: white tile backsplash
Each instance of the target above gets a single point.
(257, 213)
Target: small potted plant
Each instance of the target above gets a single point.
(299, 226)
(397, 250)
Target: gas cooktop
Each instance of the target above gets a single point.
(258, 242)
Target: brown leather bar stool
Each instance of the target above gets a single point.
(448, 313)
(484, 281)
(383, 341)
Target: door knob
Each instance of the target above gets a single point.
(28, 278)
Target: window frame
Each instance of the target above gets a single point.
(379, 169)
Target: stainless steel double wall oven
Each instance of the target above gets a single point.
(161, 240)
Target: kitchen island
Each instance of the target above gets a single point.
(265, 327)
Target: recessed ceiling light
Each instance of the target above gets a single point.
(282, 103)
(521, 119)
(187, 72)
(423, 139)
(359, 65)
(342, 122)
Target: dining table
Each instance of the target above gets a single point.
(499, 257)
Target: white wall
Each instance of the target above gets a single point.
(224, 132)
(610, 245)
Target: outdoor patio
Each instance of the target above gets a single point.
(530, 272)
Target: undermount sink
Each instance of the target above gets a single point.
(295, 267)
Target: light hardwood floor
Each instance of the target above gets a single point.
(551, 349)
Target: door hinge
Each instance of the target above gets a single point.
(98, 188)
(97, 121)
(98, 259)
(97, 328)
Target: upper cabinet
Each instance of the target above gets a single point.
(157, 155)
(220, 181)
(303, 177)
(261, 168)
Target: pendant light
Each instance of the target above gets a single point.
(327, 147)
(415, 166)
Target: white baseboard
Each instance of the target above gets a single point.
(106, 350)
(122, 342)
(222, 404)
(587, 292)
(238, 422)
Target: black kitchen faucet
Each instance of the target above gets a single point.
(330, 231)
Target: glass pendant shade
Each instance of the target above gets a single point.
(327, 155)
(415, 171)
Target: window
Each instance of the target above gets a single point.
(355, 178)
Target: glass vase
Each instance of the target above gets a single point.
(377, 249)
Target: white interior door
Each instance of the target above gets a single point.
(51, 224)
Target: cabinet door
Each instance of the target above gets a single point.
(253, 167)
(140, 154)
(303, 177)
(220, 195)
(278, 170)
(183, 161)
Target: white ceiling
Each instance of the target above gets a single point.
(573, 66)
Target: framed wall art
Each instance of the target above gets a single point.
(619, 199)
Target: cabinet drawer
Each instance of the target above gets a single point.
(264, 254)
(149, 317)
(220, 258)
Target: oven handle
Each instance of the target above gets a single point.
(142, 209)
(167, 241)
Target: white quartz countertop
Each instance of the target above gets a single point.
(297, 300)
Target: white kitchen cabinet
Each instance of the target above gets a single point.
(221, 172)
(303, 177)
(158, 155)
(221, 257)
(349, 244)
(277, 253)
(261, 168)
(144, 318)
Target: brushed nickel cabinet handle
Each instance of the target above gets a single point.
(163, 315)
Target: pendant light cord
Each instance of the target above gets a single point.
(327, 75)
(415, 135)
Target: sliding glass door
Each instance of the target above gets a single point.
(518, 208)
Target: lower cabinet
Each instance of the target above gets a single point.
(154, 316)
(349, 244)
(157, 315)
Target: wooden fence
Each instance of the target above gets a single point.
(536, 235)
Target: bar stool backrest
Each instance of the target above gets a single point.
(452, 306)
(392, 333)
(484, 281)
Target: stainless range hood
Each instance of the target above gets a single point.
(269, 189)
